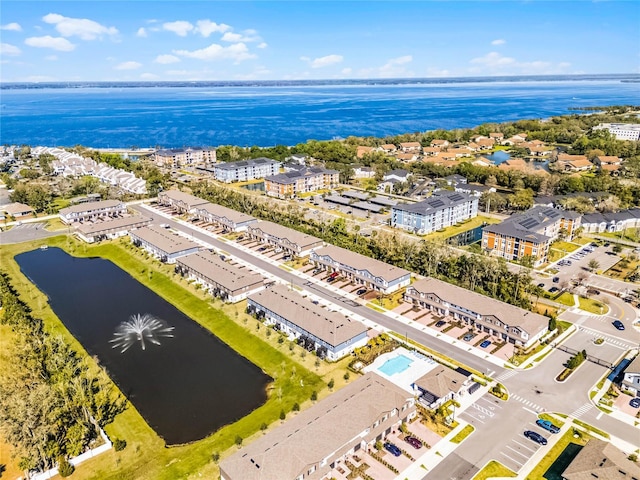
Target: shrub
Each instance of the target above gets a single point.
(64, 467)
(296, 407)
(314, 396)
(346, 376)
(119, 444)
(282, 415)
(331, 383)
(238, 440)
(263, 426)
(215, 456)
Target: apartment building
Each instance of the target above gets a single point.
(443, 209)
(305, 180)
(245, 170)
(622, 131)
(530, 233)
(181, 157)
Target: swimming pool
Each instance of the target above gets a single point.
(395, 365)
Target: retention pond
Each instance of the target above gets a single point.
(184, 381)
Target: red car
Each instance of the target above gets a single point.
(413, 441)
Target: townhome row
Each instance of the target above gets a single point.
(92, 211)
(319, 439)
(441, 210)
(530, 233)
(611, 222)
(330, 334)
(506, 322)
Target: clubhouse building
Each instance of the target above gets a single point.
(505, 322)
(317, 440)
(330, 334)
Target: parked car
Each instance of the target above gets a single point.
(413, 441)
(536, 437)
(547, 425)
(440, 323)
(541, 285)
(317, 271)
(485, 344)
(553, 289)
(556, 279)
(593, 291)
(262, 249)
(468, 336)
(635, 402)
(362, 291)
(618, 324)
(393, 449)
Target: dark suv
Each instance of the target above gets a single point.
(536, 437)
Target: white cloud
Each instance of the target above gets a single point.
(9, 50)
(128, 66)
(495, 64)
(55, 43)
(262, 45)
(346, 71)
(395, 67)
(142, 32)
(493, 60)
(207, 27)
(499, 41)
(13, 27)
(325, 61)
(166, 59)
(80, 27)
(51, 58)
(180, 28)
(237, 52)
(247, 36)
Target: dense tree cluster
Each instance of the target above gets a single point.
(51, 405)
(489, 276)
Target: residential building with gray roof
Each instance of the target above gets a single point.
(443, 209)
(162, 243)
(245, 170)
(291, 241)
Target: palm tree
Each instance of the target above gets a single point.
(593, 265)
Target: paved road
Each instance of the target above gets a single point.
(377, 317)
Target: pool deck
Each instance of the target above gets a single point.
(419, 366)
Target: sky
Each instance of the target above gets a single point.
(144, 40)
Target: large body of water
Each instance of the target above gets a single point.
(211, 115)
(188, 386)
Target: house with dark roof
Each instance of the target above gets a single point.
(529, 233)
(245, 170)
(330, 334)
(221, 279)
(611, 222)
(162, 243)
(475, 190)
(399, 175)
(305, 180)
(505, 322)
(443, 209)
(315, 443)
(601, 460)
(361, 269)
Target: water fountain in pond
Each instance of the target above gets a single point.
(142, 328)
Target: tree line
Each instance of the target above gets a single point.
(485, 275)
(51, 404)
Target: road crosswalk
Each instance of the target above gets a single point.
(506, 375)
(578, 412)
(533, 406)
(611, 340)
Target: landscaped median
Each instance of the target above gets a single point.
(494, 469)
(145, 456)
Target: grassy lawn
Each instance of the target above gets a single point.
(493, 469)
(146, 456)
(462, 434)
(555, 255)
(582, 240)
(544, 309)
(390, 301)
(538, 472)
(60, 203)
(622, 269)
(630, 234)
(463, 227)
(565, 298)
(567, 247)
(593, 306)
(56, 224)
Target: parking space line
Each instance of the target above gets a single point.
(530, 411)
(512, 459)
(516, 451)
(532, 450)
